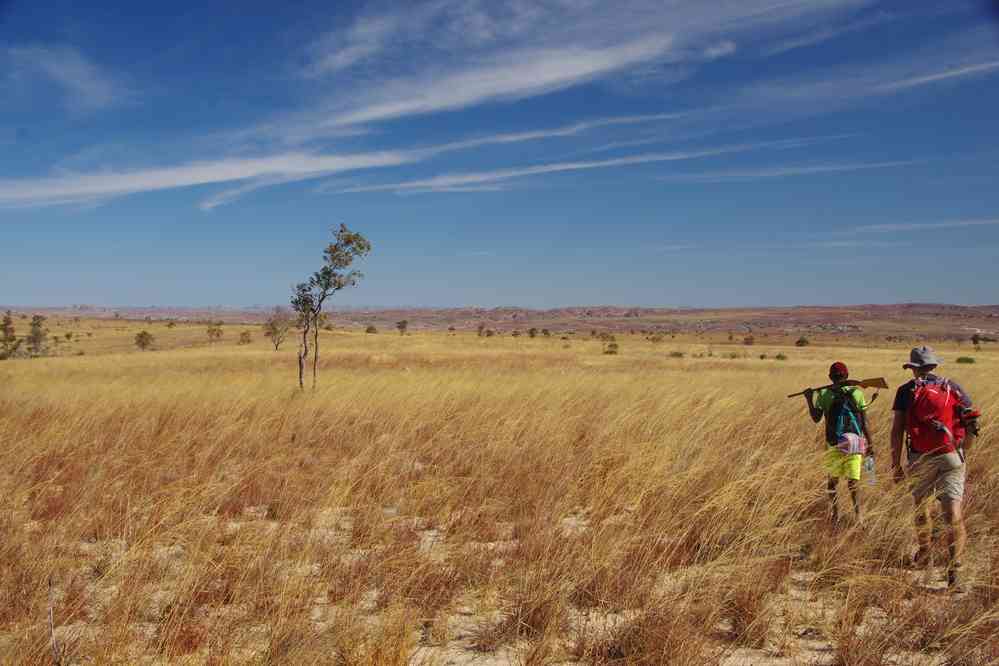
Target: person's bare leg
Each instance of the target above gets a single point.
(957, 535)
(831, 485)
(855, 496)
(924, 534)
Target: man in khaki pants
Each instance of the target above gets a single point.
(933, 416)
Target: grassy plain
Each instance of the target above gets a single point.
(449, 499)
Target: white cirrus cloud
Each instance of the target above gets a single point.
(76, 188)
(86, 85)
(920, 226)
(524, 74)
(439, 56)
(977, 69)
(782, 171)
(447, 182)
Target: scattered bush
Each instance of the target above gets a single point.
(611, 348)
(965, 359)
(802, 342)
(402, 326)
(245, 338)
(676, 354)
(763, 357)
(781, 357)
(371, 329)
(749, 340)
(143, 340)
(214, 332)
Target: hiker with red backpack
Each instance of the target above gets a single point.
(935, 419)
(847, 434)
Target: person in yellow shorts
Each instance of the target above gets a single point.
(847, 434)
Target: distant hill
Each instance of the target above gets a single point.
(906, 320)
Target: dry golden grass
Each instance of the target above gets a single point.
(455, 498)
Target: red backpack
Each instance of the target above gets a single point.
(933, 421)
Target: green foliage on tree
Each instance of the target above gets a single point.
(402, 326)
(144, 340)
(9, 343)
(37, 336)
(308, 298)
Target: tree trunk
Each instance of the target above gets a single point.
(315, 354)
(303, 353)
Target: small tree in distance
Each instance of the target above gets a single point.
(214, 332)
(143, 340)
(403, 326)
(245, 338)
(277, 325)
(371, 329)
(37, 336)
(8, 337)
(308, 298)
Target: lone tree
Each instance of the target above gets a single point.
(37, 336)
(403, 326)
(8, 338)
(245, 338)
(277, 326)
(308, 298)
(214, 331)
(143, 340)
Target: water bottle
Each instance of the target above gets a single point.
(869, 469)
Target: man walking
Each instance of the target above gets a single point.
(847, 434)
(933, 416)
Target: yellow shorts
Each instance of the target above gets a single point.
(839, 464)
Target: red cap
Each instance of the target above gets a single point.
(838, 369)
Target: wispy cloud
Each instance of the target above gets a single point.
(556, 132)
(524, 74)
(782, 172)
(957, 72)
(920, 226)
(73, 188)
(446, 55)
(827, 33)
(447, 182)
(86, 85)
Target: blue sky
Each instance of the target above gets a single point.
(536, 153)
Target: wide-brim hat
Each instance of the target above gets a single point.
(921, 357)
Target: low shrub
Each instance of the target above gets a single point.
(965, 359)
(676, 354)
(781, 357)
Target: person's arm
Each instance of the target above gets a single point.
(897, 437)
(813, 411)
